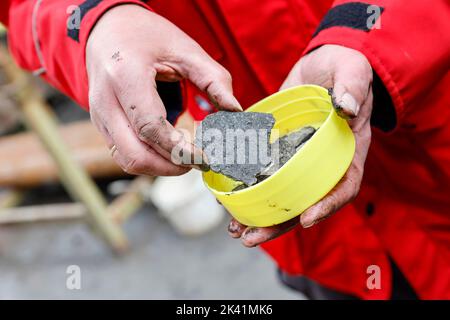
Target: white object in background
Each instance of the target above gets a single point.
(186, 203)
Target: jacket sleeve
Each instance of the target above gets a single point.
(408, 45)
(49, 38)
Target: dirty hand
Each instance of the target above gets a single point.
(349, 74)
(127, 51)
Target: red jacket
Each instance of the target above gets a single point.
(403, 210)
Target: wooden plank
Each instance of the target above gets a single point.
(42, 213)
(40, 119)
(124, 206)
(18, 169)
(120, 210)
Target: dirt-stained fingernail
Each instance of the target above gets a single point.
(347, 107)
(250, 237)
(348, 102)
(307, 222)
(234, 228)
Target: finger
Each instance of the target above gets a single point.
(343, 101)
(361, 124)
(131, 154)
(351, 84)
(146, 113)
(235, 228)
(344, 192)
(210, 77)
(348, 187)
(252, 237)
(183, 57)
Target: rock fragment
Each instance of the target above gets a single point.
(236, 144)
(282, 150)
(228, 141)
(285, 147)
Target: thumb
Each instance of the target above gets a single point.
(344, 103)
(212, 78)
(350, 88)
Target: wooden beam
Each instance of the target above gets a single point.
(42, 121)
(120, 210)
(19, 170)
(124, 206)
(42, 213)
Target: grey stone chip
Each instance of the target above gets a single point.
(247, 170)
(282, 150)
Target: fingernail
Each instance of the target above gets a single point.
(249, 236)
(306, 222)
(346, 106)
(348, 102)
(234, 228)
(237, 105)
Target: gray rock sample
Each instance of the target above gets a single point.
(236, 144)
(285, 148)
(298, 138)
(282, 150)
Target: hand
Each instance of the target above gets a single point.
(349, 74)
(128, 49)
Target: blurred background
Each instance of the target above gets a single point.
(63, 203)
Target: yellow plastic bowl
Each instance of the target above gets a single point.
(308, 176)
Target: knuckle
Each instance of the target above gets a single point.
(221, 75)
(132, 166)
(331, 205)
(129, 167)
(225, 75)
(136, 166)
(301, 66)
(116, 71)
(316, 73)
(149, 129)
(130, 163)
(363, 66)
(120, 79)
